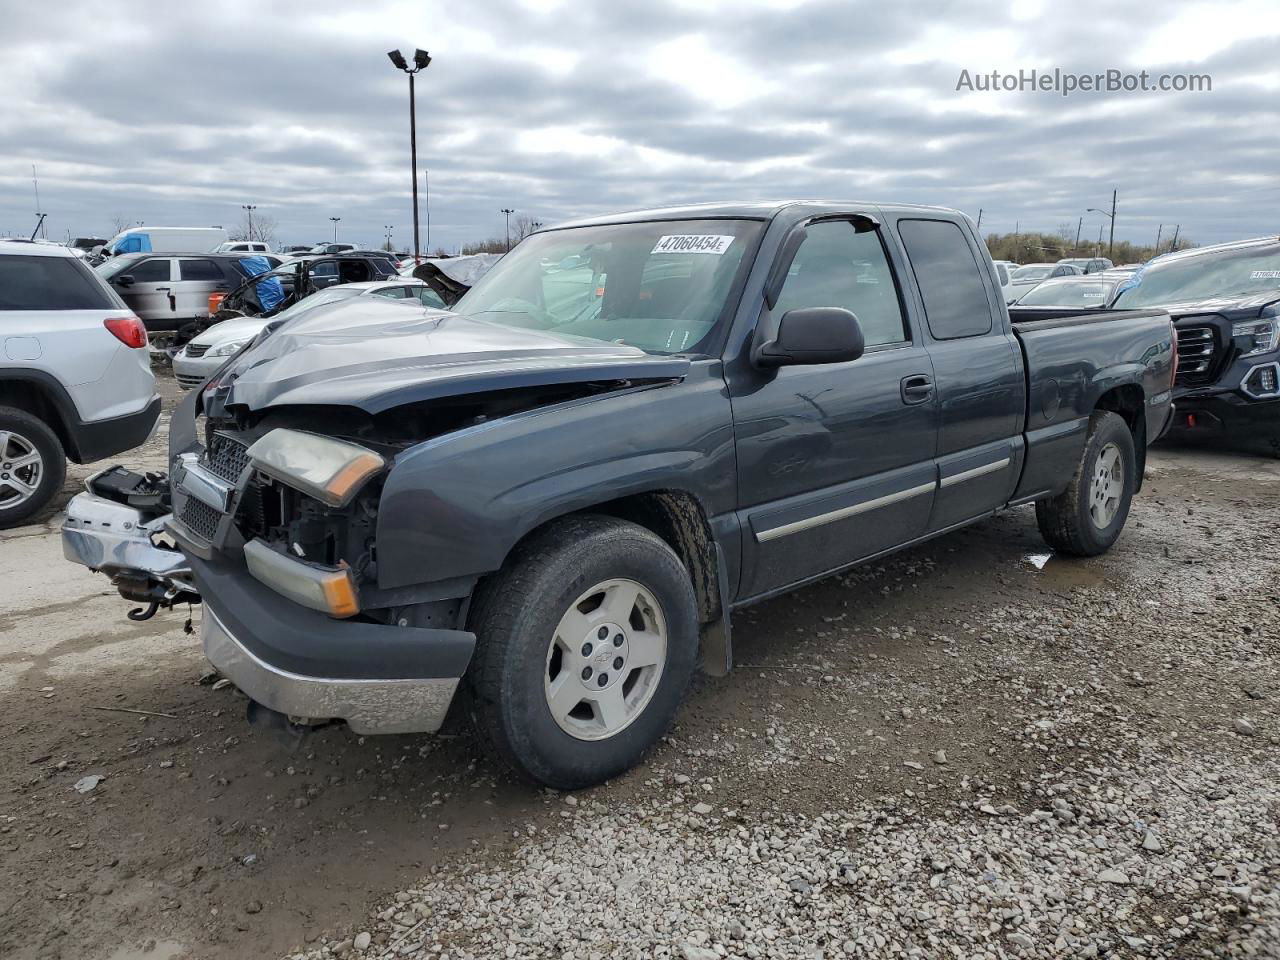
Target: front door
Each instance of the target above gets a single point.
(150, 295)
(835, 461)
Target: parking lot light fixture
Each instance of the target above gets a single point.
(421, 60)
(335, 228)
(507, 212)
(249, 208)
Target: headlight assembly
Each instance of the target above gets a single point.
(1258, 336)
(327, 469)
(228, 348)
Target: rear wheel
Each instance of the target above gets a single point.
(587, 640)
(32, 466)
(1087, 517)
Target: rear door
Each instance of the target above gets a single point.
(835, 461)
(978, 369)
(197, 278)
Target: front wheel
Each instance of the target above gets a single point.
(587, 640)
(1087, 517)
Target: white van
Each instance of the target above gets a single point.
(166, 240)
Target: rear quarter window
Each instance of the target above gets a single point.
(950, 280)
(51, 283)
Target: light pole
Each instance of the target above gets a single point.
(1111, 242)
(387, 227)
(507, 212)
(335, 228)
(421, 60)
(249, 208)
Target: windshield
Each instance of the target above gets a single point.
(1031, 272)
(1069, 293)
(659, 286)
(1233, 272)
(116, 265)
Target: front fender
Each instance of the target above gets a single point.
(455, 505)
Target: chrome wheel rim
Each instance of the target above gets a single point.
(605, 659)
(1107, 488)
(21, 469)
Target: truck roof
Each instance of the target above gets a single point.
(745, 210)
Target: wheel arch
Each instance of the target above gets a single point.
(29, 392)
(679, 519)
(1129, 402)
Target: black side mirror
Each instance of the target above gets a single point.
(126, 280)
(813, 335)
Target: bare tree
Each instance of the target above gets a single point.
(264, 228)
(522, 226)
(120, 223)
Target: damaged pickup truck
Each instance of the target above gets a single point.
(550, 500)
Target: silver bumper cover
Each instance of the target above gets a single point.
(368, 706)
(115, 538)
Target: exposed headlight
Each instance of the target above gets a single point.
(228, 348)
(1259, 336)
(327, 469)
(330, 590)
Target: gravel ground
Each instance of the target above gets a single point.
(972, 750)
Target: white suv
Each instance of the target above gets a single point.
(75, 374)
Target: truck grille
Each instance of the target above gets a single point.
(197, 350)
(200, 518)
(227, 457)
(1197, 355)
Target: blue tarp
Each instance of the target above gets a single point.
(270, 291)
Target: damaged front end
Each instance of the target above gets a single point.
(117, 527)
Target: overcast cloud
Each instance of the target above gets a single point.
(177, 113)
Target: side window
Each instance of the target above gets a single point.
(204, 270)
(150, 271)
(391, 293)
(837, 266)
(955, 299)
(51, 283)
(430, 298)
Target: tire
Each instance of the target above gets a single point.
(534, 621)
(23, 437)
(1087, 518)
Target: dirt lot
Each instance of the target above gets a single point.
(967, 751)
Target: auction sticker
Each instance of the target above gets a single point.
(1256, 275)
(693, 243)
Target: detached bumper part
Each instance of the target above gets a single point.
(303, 663)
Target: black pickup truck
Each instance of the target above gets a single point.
(1225, 303)
(557, 494)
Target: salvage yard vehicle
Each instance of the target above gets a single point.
(1225, 302)
(556, 495)
(75, 377)
(1027, 276)
(165, 240)
(201, 357)
(170, 290)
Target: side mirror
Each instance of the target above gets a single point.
(125, 280)
(813, 335)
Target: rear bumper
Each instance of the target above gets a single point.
(378, 678)
(98, 439)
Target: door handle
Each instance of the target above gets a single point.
(916, 389)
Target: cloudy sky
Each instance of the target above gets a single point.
(178, 113)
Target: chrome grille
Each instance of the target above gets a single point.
(226, 457)
(1197, 354)
(197, 350)
(200, 518)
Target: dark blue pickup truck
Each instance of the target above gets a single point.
(556, 495)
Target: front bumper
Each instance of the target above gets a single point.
(378, 678)
(191, 372)
(1228, 415)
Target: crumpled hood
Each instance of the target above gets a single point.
(373, 354)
